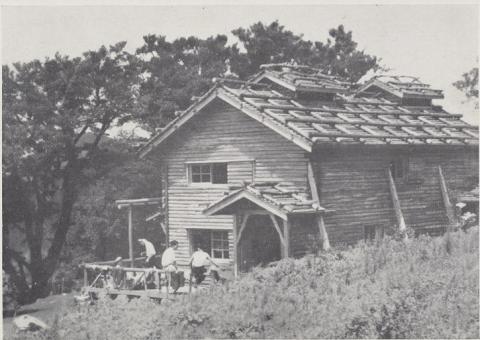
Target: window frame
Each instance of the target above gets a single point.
(190, 173)
(224, 240)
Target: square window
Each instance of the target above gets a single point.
(212, 242)
(215, 173)
(219, 173)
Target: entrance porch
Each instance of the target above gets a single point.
(262, 227)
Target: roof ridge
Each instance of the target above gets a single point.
(340, 121)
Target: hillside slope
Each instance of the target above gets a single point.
(425, 288)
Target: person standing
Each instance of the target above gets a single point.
(169, 262)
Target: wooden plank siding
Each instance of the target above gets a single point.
(353, 182)
(221, 133)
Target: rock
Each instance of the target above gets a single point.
(29, 323)
(80, 299)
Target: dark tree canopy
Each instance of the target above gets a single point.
(55, 114)
(173, 72)
(273, 44)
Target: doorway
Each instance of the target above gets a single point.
(260, 243)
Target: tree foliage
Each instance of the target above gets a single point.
(469, 83)
(173, 72)
(273, 44)
(55, 114)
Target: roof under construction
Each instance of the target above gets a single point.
(348, 119)
(402, 87)
(302, 78)
(278, 198)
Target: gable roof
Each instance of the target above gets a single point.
(276, 198)
(402, 87)
(302, 78)
(348, 120)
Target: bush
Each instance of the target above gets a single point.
(423, 288)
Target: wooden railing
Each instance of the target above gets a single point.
(105, 269)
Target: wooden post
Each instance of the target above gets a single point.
(130, 237)
(168, 277)
(245, 217)
(235, 247)
(286, 237)
(396, 203)
(323, 232)
(446, 200)
(314, 191)
(281, 234)
(165, 226)
(85, 276)
(190, 282)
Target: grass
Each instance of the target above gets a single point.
(424, 288)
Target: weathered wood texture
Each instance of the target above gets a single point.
(396, 202)
(446, 199)
(353, 182)
(304, 236)
(221, 133)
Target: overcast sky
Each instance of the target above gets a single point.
(434, 42)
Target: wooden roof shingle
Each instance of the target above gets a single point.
(278, 198)
(402, 87)
(345, 120)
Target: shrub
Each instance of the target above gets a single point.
(392, 289)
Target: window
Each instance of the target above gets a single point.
(220, 245)
(399, 168)
(372, 233)
(212, 242)
(215, 173)
(201, 173)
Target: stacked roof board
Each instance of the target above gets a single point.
(280, 196)
(402, 86)
(351, 117)
(358, 120)
(303, 78)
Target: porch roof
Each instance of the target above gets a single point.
(277, 198)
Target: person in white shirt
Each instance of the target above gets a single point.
(169, 262)
(149, 252)
(199, 262)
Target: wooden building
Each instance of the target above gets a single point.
(295, 158)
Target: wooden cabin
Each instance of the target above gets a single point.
(295, 159)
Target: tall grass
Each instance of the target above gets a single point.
(422, 288)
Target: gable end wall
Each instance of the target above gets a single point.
(218, 133)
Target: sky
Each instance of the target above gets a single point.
(437, 43)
